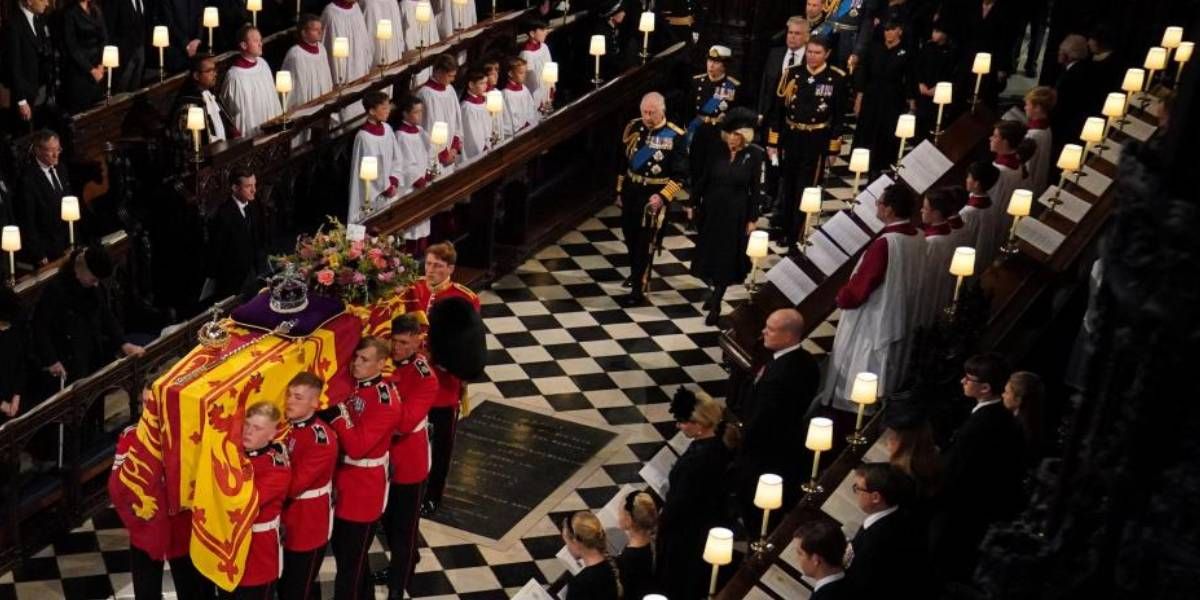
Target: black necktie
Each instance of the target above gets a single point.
(57, 184)
(791, 59)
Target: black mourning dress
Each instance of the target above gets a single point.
(726, 196)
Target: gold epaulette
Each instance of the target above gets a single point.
(838, 70)
(629, 129)
(732, 80)
(772, 137)
(677, 129)
(466, 290)
(670, 190)
(700, 76)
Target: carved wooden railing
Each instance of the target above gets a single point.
(35, 508)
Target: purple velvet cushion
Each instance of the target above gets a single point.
(257, 313)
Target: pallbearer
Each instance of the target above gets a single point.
(308, 513)
(657, 166)
(713, 93)
(271, 476)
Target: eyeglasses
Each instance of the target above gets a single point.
(856, 489)
(972, 379)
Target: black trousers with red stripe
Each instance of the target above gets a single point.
(401, 521)
(350, 542)
(254, 592)
(444, 422)
(299, 580)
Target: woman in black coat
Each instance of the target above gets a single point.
(726, 196)
(697, 497)
(84, 36)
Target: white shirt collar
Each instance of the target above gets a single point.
(984, 403)
(29, 17)
(875, 517)
(779, 353)
(828, 579)
(241, 206)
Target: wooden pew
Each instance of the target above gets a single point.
(29, 286)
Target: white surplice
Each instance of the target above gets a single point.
(1039, 163)
(937, 284)
(375, 10)
(378, 140)
(417, 35)
(478, 125)
(455, 17)
(441, 104)
(536, 56)
(979, 224)
(249, 94)
(520, 111)
(348, 22)
(309, 66)
(415, 148)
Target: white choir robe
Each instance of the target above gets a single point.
(1011, 179)
(536, 56)
(874, 336)
(378, 140)
(979, 225)
(348, 22)
(1039, 163)
(455, 16)
(478, 125)
(392, 50)
(249, 95)
(415, 148)
(417, 35)
(520, 111)
(311, 77)
(441, 104)
(937, 284)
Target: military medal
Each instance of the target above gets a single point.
(723, 105)
(656, 169)
(658, 155)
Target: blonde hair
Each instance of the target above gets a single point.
(264, 409)
(1043, 96)
(643, 512)
(586, 529)
(710, 414)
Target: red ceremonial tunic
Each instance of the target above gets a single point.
(420, 300)
(410, 446)
(271, 476)
(313, 449)
(368, 420)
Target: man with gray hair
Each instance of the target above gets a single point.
(656, 156)
(1075, 89)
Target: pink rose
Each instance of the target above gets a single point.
(380, 262)
(325, 277)
(359, 278)
(375, 253)
(345, 277)
(386, 276)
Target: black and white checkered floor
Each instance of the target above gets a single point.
(558, 343)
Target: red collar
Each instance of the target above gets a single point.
(344, 4)
(955, 222)
(490, 87)
(1039, 124)
(942, 228)
(441, 87)
(473, 99)
(903, 227)
(983, 201)
(532, 45)
(310, 48)
(373, 128)
(244, 63)
(406, 127)
(514, 86)
(1008, 160)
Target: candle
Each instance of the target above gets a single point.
(439, 134)
(195, 118)
(550, 73)
(865, 389)
(424, 12)
(1093, 130)
(253, 5)
(943, 92)
(756, 247)
(1134, 78)
(769, 493)
(820, 434)
(1156, 59)
(810, 200)
(1114, 105)
(160, 38)
(341, 47)
(283, 82)
(1018, 206)
(718, 548)
(1172, 37)
(10, 240)
(962, 264)
(1184, 52)
(596, 48)
(494, 101)
(383, 30)
(110, 59)
(860, 160)
(70, 208)
(906, 126)
(1070, 157)
(982, 64)
(368, 169)
(646, 22)
(212, 18)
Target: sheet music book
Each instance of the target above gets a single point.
(924, 166)
(1111, 154)
(824, 253)
(532, 590)
(846, 233)
(778, 581)
(1138, 129)
(573, 565)
(789, 556)
(791, 280)
(758, 593)
(657, 470)
(1072, 207)
(1040, 235)
(609, 517)
(1095, 182)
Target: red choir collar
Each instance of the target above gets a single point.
(1039, 124)
(244, 63)
(1008, 160)
(407, 127)
(514, 86)
(903, 227)
(441, 87)
(490, 87)
(955, 222)
(983, 201)
(942, 228)
(344, 4)
(373, 128)
(310, 48)
(532, 45)
(473, 99)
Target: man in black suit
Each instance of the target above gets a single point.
(984, 466)
(820, 548)
(237, 241)
(183, 21)
(44, 182)
(984, 26)
(779, 60)
(126, 23)
(1076, 89)
(773, 435)
(28, 69)
(886, 555)
(1106, 65)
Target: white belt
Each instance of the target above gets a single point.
(316, 492)
(378, 461)
(272, 525)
